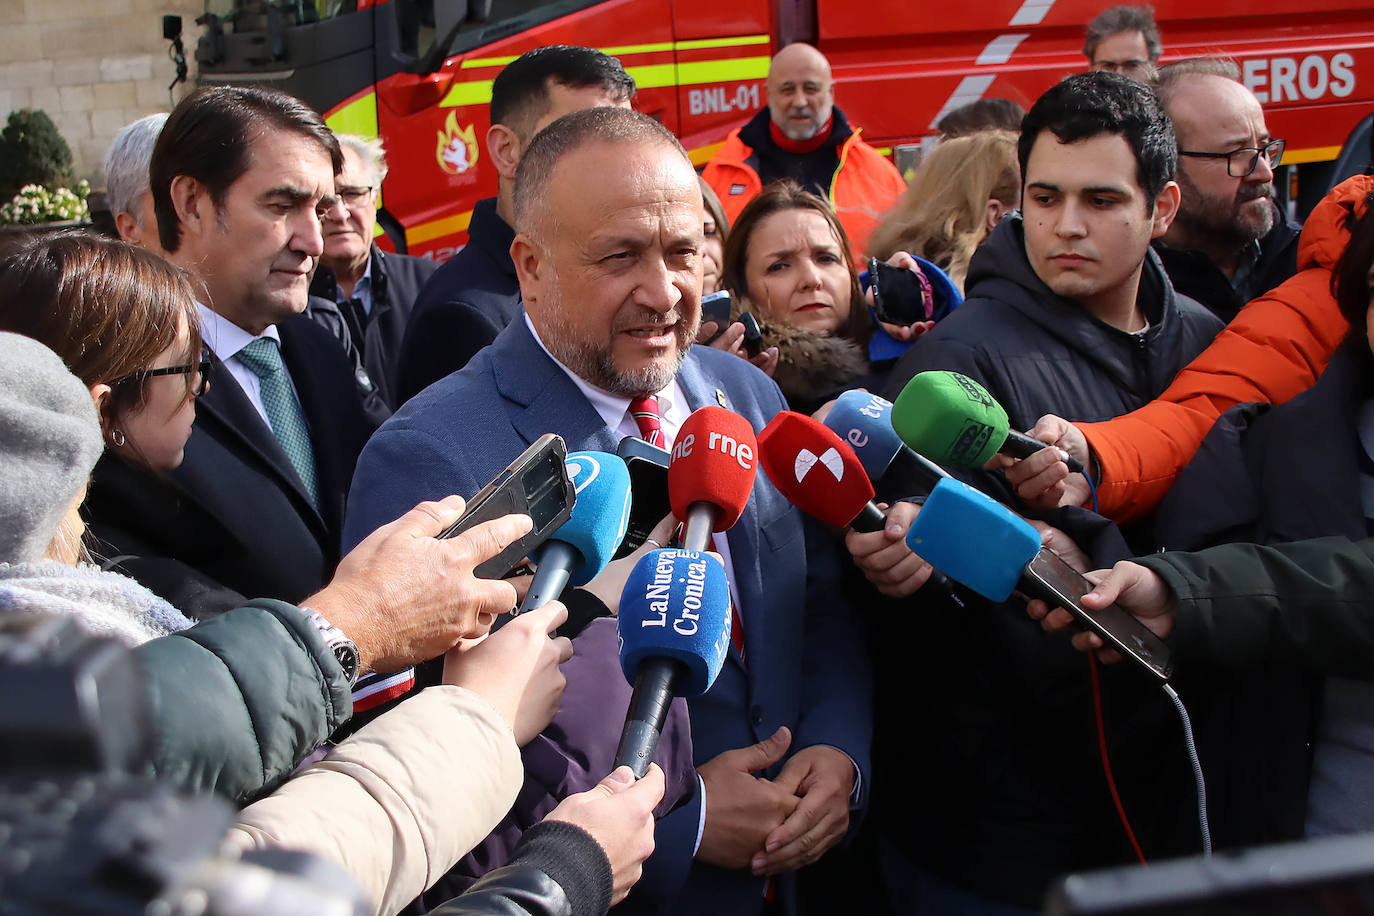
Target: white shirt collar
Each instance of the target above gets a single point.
(613, 408)
(223, 337)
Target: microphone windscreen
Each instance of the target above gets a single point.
(864, 422)
(601, 513)
(973, 539)
(714, 461)
(950, 418)
(813, 468)
(676, 605)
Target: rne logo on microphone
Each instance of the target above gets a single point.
(742, 452)
(806, 460)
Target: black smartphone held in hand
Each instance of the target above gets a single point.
(753, 337)
(648, 466)
(716, 307)
(535, 484)
(900, 296)
(1118, 628)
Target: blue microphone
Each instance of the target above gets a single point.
(982, 544)
(865, 422)
(585, 543)
(674, 627)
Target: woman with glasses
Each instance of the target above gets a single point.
(124, 321)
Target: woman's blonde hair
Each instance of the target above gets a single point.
(941, 216)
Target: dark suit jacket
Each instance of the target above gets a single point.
(807, 665)
(463, 306)
(235, 513)
(396, 283)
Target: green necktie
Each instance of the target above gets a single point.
(263, 358)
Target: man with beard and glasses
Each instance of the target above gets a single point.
(1230, 242)
(802, 135)
(608, 250)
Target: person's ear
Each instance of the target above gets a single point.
(1166, 208)
(128, 228)
(194, 208)
(993, 215)
(532, 269)
(503, 146)
(100, 396)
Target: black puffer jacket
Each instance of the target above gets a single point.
(1038, 353)
(1007, 788)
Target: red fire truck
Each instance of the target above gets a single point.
(418, 73)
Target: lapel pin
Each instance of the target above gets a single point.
(720, 398)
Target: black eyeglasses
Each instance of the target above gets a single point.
(1241, 163)
(200, 373)
(353, 194)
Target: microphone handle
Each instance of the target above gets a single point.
(698, 526)
(1019, 445)
(556, 564)
(869, 519)
(649, 703)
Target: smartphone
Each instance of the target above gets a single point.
(1118, 629)
(535, 484)
(900, 296)
(716, 307)
(753, 337)
(648, 465)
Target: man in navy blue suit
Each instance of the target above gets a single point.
(609, 255)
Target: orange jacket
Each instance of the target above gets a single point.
(865, 185)
(1274, 349)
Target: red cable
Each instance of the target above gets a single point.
(1106, 761)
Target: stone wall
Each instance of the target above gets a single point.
(92, 65)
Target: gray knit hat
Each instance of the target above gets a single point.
(49, 442)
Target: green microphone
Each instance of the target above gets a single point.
(952, 420)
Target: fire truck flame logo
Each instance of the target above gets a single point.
(457, 150)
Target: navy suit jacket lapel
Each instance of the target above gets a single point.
(543, 398)
(226, 404)
(701, 391)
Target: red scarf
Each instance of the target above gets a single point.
(798, 147)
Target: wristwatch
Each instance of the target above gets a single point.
(345, 650)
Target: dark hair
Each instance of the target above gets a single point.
(778, 197)
(1118, 19)
(568, 134)
(1350, 278)
(1086, 105)
(520, 92)
(984, 114)
(106, 307)
(209, 137)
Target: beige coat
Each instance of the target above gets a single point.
(401, 801)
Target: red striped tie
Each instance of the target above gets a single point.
(650, 423)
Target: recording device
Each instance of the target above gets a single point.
(818, 473)
(80, 835)
(951, 419)
(535, 484)
(585, 543)
(753, 337)
(674, 627)
(1325, 875)
(716, 307)
(648, 467)
(900, 296)
(982, 544)
(711, 473)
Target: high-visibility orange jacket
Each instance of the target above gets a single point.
(1274, 349)
(865, 184)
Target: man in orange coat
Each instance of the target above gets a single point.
(803, 136)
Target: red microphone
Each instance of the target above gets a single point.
(711, 473)
(818, 472)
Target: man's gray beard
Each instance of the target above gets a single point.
(595, 362)
(1200, 222)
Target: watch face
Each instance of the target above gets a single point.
(348, 660)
